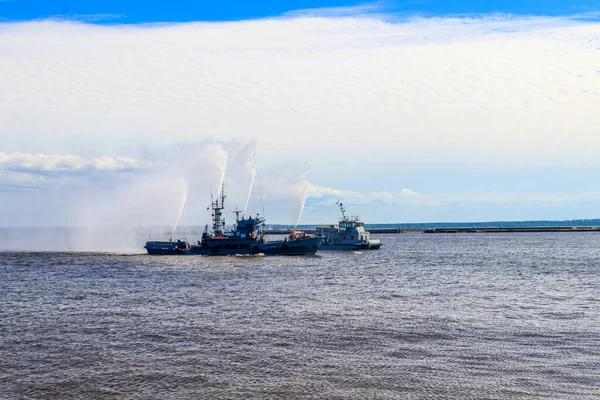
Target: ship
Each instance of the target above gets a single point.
(349, 234)
(246, 238)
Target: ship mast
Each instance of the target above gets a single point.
(217, 212)
(237, 214)
(342, 209)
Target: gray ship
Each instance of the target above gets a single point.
(350, 234)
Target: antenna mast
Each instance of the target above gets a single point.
(217, 212)
(342, 209)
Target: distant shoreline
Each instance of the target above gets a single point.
(491, 226)
(460, 230)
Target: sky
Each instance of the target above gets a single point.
(132, 114)
(138, 11)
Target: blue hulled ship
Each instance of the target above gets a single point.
(246, 238)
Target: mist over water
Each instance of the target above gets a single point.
(119, 212)
(115, 216)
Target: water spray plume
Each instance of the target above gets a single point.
(250, 189)
(223, 166)
(303, 202)
(299, 188)
(183, 201)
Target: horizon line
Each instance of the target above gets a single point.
(318, 224)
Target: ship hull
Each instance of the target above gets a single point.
(162, 248)
(350, 247)
(308, 246)
(162, 252)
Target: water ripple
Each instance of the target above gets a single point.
(498, 316)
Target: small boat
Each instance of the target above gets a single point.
(350, 234)
(246, 238)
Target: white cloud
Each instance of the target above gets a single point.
(327, 195)
(497, 90)
(90, 18)
(408, 192)
(45, 164)
(367, 9)
(370, 105)
(115, 164)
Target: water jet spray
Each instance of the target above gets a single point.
(183, 201)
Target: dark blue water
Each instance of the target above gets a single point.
(499, 316)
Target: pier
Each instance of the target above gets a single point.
(532, 229)
(515, 229)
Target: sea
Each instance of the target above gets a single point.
(428, 316)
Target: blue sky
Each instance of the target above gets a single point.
(405, 111)
(135, 12)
